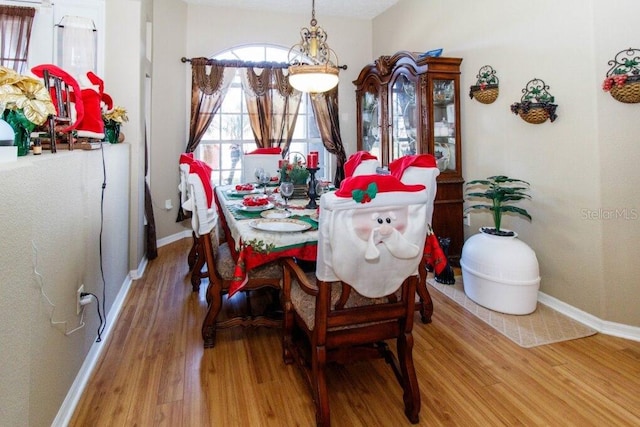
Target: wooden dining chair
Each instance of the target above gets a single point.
(362, 292)
(420, 169)
(265, 158)
(220, 268)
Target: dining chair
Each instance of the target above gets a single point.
(361, 163)
(370, 241)
(420, 169)
(220, 267)
(184, 165)
(265, 158)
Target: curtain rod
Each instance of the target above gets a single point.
(248, 64)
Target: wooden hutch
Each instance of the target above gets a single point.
(408, 104)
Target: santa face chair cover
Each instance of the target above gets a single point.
(369, 215)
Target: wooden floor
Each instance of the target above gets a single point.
(155, 371)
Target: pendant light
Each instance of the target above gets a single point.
(312, 63)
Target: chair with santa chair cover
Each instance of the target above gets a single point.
(220, 266)
(370, 246)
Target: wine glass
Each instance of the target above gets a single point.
(257, 172)
(264, 178)
(286, 191)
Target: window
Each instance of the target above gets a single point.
(230, 132)
(15, 31)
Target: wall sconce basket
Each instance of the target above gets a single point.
(486, 88)
(536, 105)
(623, 78)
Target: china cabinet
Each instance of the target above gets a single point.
(408, 104)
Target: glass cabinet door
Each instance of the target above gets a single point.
(444, 124)
(371, 123)
(404, 118)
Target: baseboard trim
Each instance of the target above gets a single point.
(70, 402)
(603, 326)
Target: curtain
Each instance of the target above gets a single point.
(15, 32)
(325, 109)
(272, 105)
(207, 93)
(77, 46)
(209, 85)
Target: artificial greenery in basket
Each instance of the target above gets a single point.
(294, 171)
(623, 78)
(537, 104)
(486, 89)
(502, 192)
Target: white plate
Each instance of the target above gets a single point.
(286, 225)
(234, 192)
(275, 214)
(256, 208)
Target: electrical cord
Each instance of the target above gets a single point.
(84, 294)
(40, 278)
(102, 325)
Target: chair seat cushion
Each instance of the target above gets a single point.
(226, 266)
(305, 304)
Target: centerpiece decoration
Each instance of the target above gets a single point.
(25, 104)
(296, 172)
(113, 119)
(536, 105)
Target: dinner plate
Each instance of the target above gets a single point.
(275, 214)
(256, 208)
(234, 192)
(284, 225)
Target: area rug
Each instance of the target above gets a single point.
(543, 326)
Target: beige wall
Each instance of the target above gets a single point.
(209, 30)
(581, 164)
(53, 202)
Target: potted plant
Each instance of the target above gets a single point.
(537, 104)
(502, 192)
(499, 271)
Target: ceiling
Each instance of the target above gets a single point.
(360, 9)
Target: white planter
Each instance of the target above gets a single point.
(500, 273)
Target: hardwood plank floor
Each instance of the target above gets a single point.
(155, 372)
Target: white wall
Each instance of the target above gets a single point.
(583, 162)
(209, 30)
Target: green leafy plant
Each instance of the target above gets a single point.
(503, 192)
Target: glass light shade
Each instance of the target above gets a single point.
(313, 78)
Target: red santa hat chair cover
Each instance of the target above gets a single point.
(368, 215)
(418, 169)
(361, 163)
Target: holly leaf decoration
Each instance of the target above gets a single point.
(365, 196)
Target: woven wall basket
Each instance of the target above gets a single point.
(628, 93)
(534, 115)
(487, 96)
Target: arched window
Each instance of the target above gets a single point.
(230, 133)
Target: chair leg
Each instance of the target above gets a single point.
(214, 295)
(319, 386)
(193, 253)
(411, 391)
(426, 304)
(196, 272)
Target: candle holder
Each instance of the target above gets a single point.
(312, 189)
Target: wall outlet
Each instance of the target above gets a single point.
(467, 220)
(78, 298)
(168, 205)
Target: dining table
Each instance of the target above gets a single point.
(263, 234)
(260, 234)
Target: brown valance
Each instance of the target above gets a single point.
(238, 63)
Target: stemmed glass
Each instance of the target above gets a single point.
(286, 191)
(264, 178)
